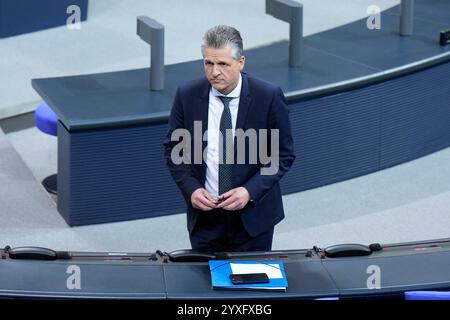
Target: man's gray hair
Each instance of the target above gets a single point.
(222, 36)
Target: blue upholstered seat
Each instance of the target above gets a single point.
(46, 119)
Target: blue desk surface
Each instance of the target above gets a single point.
(336, 60)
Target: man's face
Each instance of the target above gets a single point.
(221, 69)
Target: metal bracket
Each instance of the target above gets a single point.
(406, 17)
(292, 13)
(152, 32)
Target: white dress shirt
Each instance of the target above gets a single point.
(215, 110)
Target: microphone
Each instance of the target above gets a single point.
(375, 247)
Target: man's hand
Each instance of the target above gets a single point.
(235, 199)
(201, 199)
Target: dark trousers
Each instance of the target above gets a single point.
(222, 231)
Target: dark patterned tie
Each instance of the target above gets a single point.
(225, 145)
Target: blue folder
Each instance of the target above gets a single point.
(222, 269)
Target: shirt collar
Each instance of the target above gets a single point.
(233, 94)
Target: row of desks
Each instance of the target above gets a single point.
(391, 271)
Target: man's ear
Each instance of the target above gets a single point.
(241, 62)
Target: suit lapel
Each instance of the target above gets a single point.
(201, 110)
(203, 106)
(244, 106)
(244, 103)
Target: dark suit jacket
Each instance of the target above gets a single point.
(262, 106)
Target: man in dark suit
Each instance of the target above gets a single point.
(233, 199)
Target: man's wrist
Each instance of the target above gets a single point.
(250, 199)
(192, 194)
